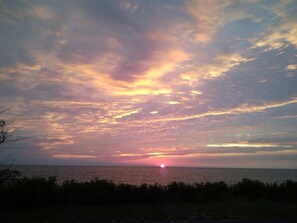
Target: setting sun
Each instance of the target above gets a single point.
(162, 166)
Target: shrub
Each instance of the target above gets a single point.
(8, 177)
(16, 191)
(249, 189)
(36, 191)
(214, 191)
(288, 191)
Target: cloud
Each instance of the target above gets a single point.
(291, 67)
(248, 145)
(72, 156)
(130, 6)
(287, 117)
(208, 16)
(133, 54)
(175, 76)
(215, 67)
(26, 32)
(279, 37)
(127, 114)
(43, 12)
(282, 32)
(211, 16)
(242, 109)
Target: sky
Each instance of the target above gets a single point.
(185, 83)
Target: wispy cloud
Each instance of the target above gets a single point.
(248, 145)
(242, 109)
(72, 156)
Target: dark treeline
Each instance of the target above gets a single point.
(17, 191)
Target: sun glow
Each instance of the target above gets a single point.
(162, 166)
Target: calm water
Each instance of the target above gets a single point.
(152, 175)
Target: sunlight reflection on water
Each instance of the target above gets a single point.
(152, 175)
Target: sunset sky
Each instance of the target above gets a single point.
(184, 83)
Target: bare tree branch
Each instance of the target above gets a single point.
(7, 135)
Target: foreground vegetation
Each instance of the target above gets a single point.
(154, 213)
(41, 199)
(17, 191)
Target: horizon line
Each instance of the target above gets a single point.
(153, 166)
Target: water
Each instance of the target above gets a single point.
(152, 175)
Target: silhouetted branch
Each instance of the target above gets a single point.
(6, 136)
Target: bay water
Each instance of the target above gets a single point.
(152, 175)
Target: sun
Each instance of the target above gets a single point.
(162, 166)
